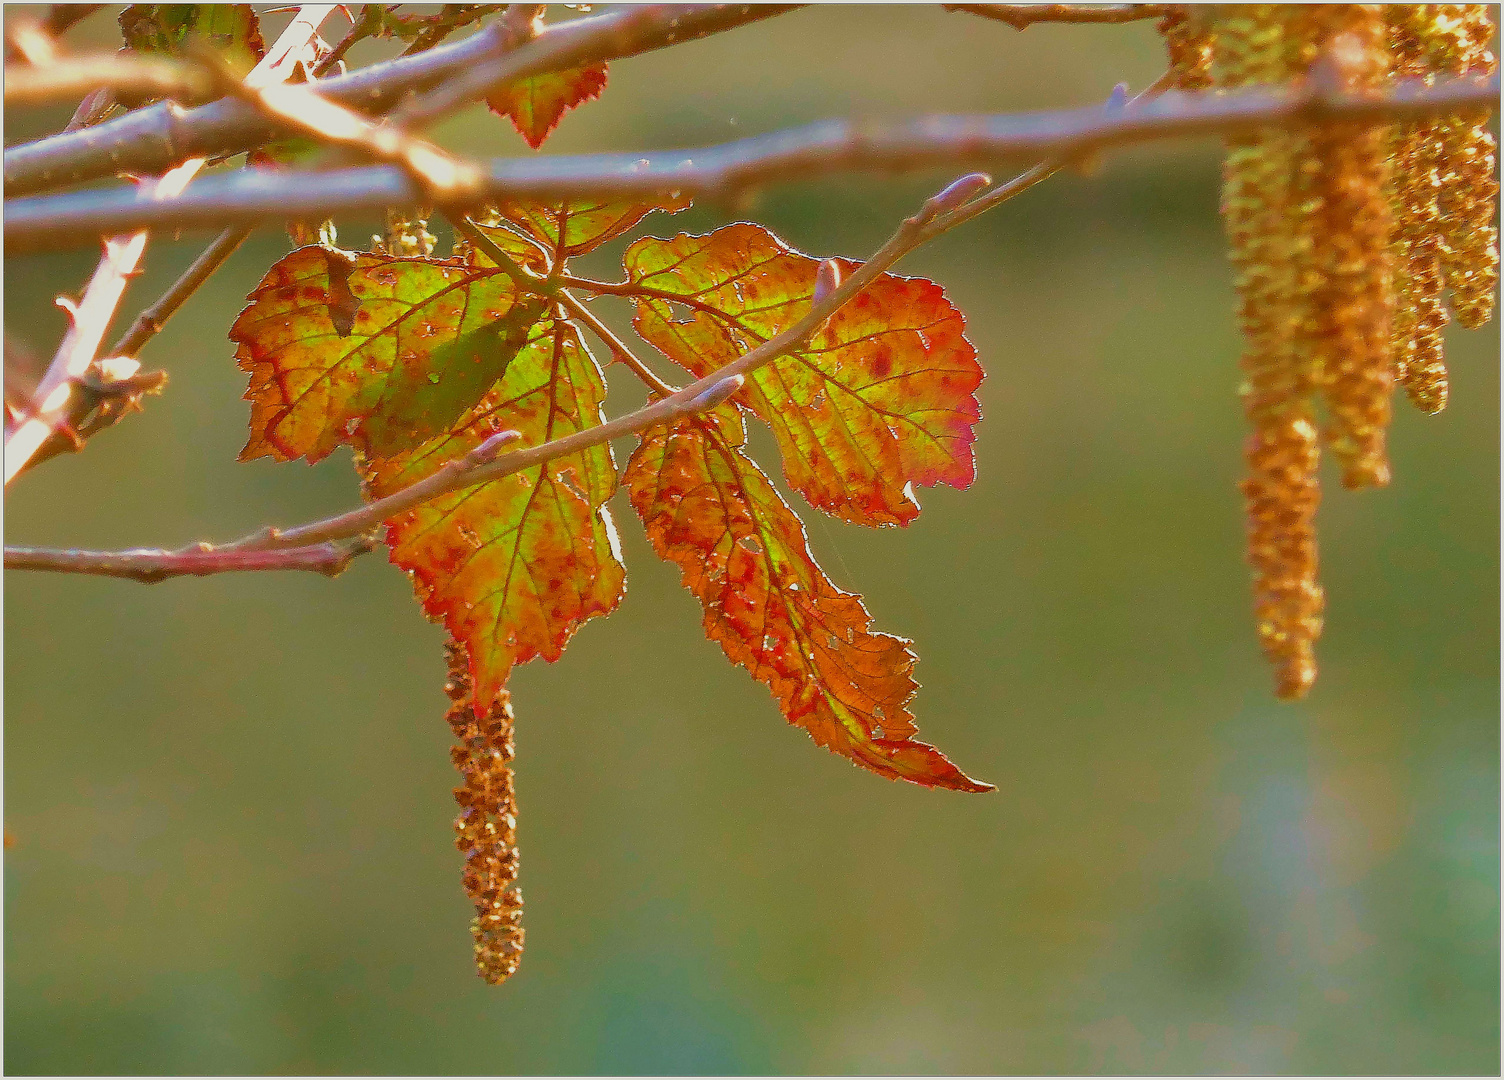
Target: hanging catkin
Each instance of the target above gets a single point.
(1346, 255)
(1188, 43)
(486, 828)
(1264, 225)
(1461, 36)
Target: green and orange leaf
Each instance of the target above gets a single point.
(232, 30)
(536, 105)
(743, 553)
(515, 566)
(378, 351)
(881, 399)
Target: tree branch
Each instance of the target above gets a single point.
(485, 463)
(91, 316)
(76, 76)
(1023, 16)
(148, 140)
(619, 351)
(150, 322)
(151, 565)
(252, 196)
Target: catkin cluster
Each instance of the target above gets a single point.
(1345, 240)
(406, 235)
(486, 828)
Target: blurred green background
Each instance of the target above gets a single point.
(230, 797)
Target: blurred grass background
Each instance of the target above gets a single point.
(230, 797)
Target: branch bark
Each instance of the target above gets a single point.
(151, 565)
(485, 463)
(251, 196)
(1023, 16)
(149, 140)
(92, 315)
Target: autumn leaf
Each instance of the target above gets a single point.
(515, 566)
(379, 351)
(743, 553)
(880, 400)
(535, 105)
(232, 30)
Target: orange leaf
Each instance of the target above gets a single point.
(374, 350)
(536, 104)
(881, 399)
(743, 553)
(515, 566)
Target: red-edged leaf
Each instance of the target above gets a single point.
(513, 567)
(374, 350)
(536, 104)
(573, 228)
(882, 398)
(743, 553)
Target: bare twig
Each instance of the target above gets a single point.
(1023, 16)
(619, 350)
(150, 322)
(250, 196)
(91, 316)
(148, 140)
(107, 392)
(72, 76)
(151, 565)
(442, 178)
(449, 19)
(483, 464)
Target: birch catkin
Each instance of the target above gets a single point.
(1264, 225)
(1350, 261)
(486, 828)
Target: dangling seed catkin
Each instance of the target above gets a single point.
(1264, 227)
(1415, 187)
(486, 828)
(1469, 193)
(1188, 42)
(1344, 180)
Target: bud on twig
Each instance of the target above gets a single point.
(827, 280)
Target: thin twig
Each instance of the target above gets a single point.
(484, 464)
(151, 565)
(251, 196)
(149, 140)
(449, 19)
(91, 316)
(1043, 171)
(91, 110)
(619, 350)
(1023, 16)
(150, 322)
(442, 177)
(81, 74)
(362, 28)
(526, 280)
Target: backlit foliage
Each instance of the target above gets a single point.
(413, 361)
(1352, 246)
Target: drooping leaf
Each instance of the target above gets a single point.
(513, 567)
(535, 105)
(375, 350)
(743, 553)
(232, 30)
(881, 399)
